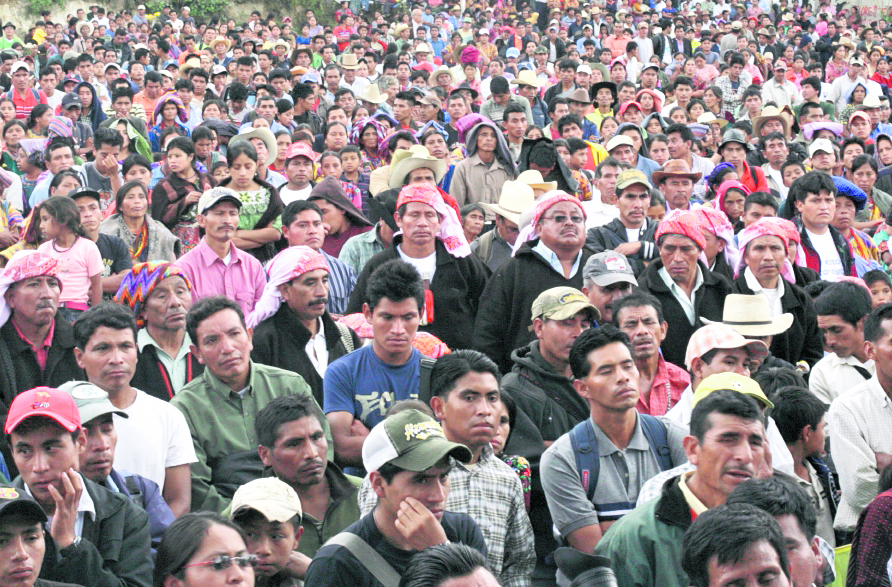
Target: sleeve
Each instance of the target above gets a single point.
(204, 494)
(567, 501)
(259, 282)
(357, 296)
(594, 239)
(122, 260)
(334, 566)
(635, 571)
(872, 545)
(813, 349)
(520, 548)
(492, 316)
(180, 450)
(350, 256)
(337, 388)
(858, 477)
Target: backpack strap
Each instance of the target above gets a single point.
(346, 339)
(424, 386)
(588, 461)
(658, 439)
(368, 557)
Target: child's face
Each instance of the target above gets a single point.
(49, 228)
(221, 173)
(350, 162)
(271, 542)
(791, 174)
(880, 293)
(656, 212)
(565, 154)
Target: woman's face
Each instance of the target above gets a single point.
(653, 127)
(844, 215)
(858, 95)
(212, 111)
(7, 111)
(695, 111)
(788, 52)
(710, 98)
(608, 128)
(330, 167)
(359, 113)
(436, 145)
(503, 429)
(21, 160)
(864, 177)
(122, 130)
(218, 540)
(679, 116)
(66, 185)
(242, 170)
(884, 150)
(689, 68)
(169, 112)
(473, 223)
(135, 203)
(369, 138)
(140, 174)
(282, 144)
(13, 135)
(44, 119)
(733, 204)
(840, 52)
(178, 161)
(535, 133)
(647, 102)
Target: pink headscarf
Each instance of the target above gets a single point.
(683, 222)
(287, 265)
(451, 232)
(764, 227)
(548, 200)
(792, 234)
(722, 191)
(717, 223)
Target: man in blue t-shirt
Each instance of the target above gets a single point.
(359, 387)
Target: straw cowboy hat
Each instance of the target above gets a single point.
(190, 63)
(416, 157)
(675, 168)
(372, 95)
(770, 113)
(442, 71)
(515, 199)
(526, 78)
(218, 39)
(349, 61)
(422, 48)
(83, 23)
(750, 315)
(264, 134)
(534, 179)
(709, 118)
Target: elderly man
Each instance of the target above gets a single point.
(489, 164)
(607, 277)
(549, 252)
(766, 271)
(685, 287)
(433, 242)
(660, 383)
(160, 296)
(676, 183)
(619, 235)
(494, 247)
(221, 405)
(292, 327)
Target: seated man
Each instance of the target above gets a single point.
(607, 277)
(448, 563)
(299, 335)
(293, 445)
(98, 458)
(407, 457)
(269, 512)
(97, 537)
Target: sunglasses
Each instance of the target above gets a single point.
(223, 562)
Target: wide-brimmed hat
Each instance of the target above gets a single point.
(534, 179)
(442, 71)
(422, 48)
(750, 315)
(83, 23)
(264, 134)
(675, 168)
(372, 95)
(734, 135)
(467, 87)
(282, 43)
(602, 85)
(770, 113)
(579, 95)
(710, 118)
(516, 198)
(415, 157)
(218, 39)
(618, 140)
(527, 78)
(349, 61)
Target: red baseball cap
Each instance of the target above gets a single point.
(300, 149)
(44, 401)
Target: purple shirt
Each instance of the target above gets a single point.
(242, 280)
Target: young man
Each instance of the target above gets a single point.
(299, 169)
(826, 250)
(407, 457)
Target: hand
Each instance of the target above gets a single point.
(418, 525)
(193, 197)
(883, 460)
(628, 248)
(8, 238)
(357, 428)
(62, 528)
(107, 164)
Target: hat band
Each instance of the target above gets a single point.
(756, 323)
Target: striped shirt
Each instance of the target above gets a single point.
(341, 280)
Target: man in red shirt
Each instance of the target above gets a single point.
(23, 95)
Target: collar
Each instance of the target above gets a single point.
(693, 502)
(218, 386)
(496, 164)
(552, 259)
(674, 288)
(209, 257)
(144, 339)
(485, 455)
(607, 448)
(837, 361)
(84, 506)
(48, 341)
(753, 283)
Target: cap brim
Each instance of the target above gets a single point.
(427, 454)
(269, 510)
(24, 507)
(571, 309)
(92, 412)
(12, 424)
(606, 279)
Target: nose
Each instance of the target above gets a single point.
(237, 575)
(262, 547)
(18, 553)
(438, 492)
(399, 327)
(41, 462)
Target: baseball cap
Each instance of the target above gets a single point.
(431, 100)
(617, 140)
(91, 401)
(213, 196)
(310, 78)
(779, 64)
(607, 268)
(560, 303)
(43, 401)
(300, 149)
(15, 500)
(584, 68)
(734, 382)
(410, 440)
(270, 496)
(856, 61)
(512, 52)
(720, 336)
(84, 191)
(19, 65)
(820, 145)
(69, 100)
(629, 177)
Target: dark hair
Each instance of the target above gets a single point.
(202, 132)
(206, 308)
(512, 107)
(772, 136)
(555, 102)
(407, 97)
(773, 379)
(544, 154)
(779, 496)
(64, 212)
(36, 113)
(794, 409)
(592, 340)
(240, 147)
(107, 136)
(807, 106)
(132, 160)
(812, 182)
(725, 533)
(293, 209)
(608, 162)
(682, 129)
(281, 410)
(574, 145)
(875, 276)
(395, 280)
(637, 299)
(568, 119)
(107, 314)
(847, 300)
(438, 564)
(452, 367)
(725, 402)
(885, 482)
(54, 144)
(182, 539)
(759, 199)
(862, 160)
(57, 180)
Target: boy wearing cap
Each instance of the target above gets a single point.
(407, 457)
(269, 513)
(96, 537)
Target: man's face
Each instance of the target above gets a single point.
(48, 83)
(602, 297)
(22, 547)
(167, 305)
(420, 224)
(677, 191)
(679, 255)
(804, 555)
(611, 385)
(470, 411)
(153, 90)
(430, 487)
(109, 358)
(34, 301)
(402, 109)
(756, 212)
(98, 458)
(758, 565)
(776, 151)
(220, 222)
(42, 456)
(122, 106)
(556, 337)
(765, 257)
(817, 210)
(224, 346)
(20, 79)
(734, 153)
(562, 226)
(623, 154)
(298, 456)
(516, 125)
(632, 204)
(307, 294)
(841, 337)
(394, 325)
(728, 454)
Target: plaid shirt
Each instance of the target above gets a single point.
(490, 492)
(731, 98)
(358, 249)
(341, 280)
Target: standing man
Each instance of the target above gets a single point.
(23, 96)
(826, 250)
(489, 164)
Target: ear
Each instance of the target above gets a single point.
(697, 365)
(859, 326)
(437, 405)
(538, 327)
(799, 206)
(816, 550)
(81, 442)
(194, 350)
(298, 533)
(79, 356)
(691, 449)
(664, 329)
(584, 290)
(870, 350)
(581, 388)
(367, 312)
(263, 453)
(378, 483)
(805, 433)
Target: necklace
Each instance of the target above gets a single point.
(140, 242)
(58, 250)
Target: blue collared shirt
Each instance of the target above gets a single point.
(554, 261)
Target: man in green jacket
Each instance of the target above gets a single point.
(221, 405)
(727, 447)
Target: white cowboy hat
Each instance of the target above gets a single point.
(515, 199)
(534, 179)
(264, 134)
(416, 157)
(372, 95)
(750, 315)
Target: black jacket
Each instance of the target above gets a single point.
(504, 317)
(613, 234)
(457, 286)
(115, 550)
(709, 303)
(281, 341)
(152, 377)
(803, 340)
(721, 267)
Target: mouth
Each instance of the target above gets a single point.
(310, 469)
(23, 573)
(739, 476)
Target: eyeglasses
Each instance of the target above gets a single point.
(223, 562)
(560, 219)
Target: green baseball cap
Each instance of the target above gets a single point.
(629, 177)
(560, 303)
(410, 440)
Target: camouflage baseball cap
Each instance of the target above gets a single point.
(560, 303)
(410, 440)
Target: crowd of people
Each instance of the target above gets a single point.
(404, 296)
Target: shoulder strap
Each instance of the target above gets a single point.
(588, 461)
(658, 439)
(346, 339)
(371, 560)
(424, 387)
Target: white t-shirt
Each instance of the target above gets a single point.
(289, 195)
(426, 266)
(831, 264)
(154, 437)
(778, 178)
(633, 235)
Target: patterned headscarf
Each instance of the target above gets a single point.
(722, 191)
(451, 232)
(60, 126)
(139, 283)
(682, 222)
(24, 265)
(359, 128)
(432, 125)
(717, 223)
(171, 98)
(792, 233)
(547, 200)
(764, 227)
(287, 265)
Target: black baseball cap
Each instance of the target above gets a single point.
(84, 191)
(15, 500)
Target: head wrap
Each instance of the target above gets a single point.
(722, 190)
(849, 190)
(698, 130)
(682, 222)
(432, 125)
(171, 99)
(710, 179)
(287, 265)
(6, 179)
(547, 200)
(469, 55)
(359, 128)
(464, 124)
(658, 101)
(451, 232)
(809, 130)
(24, 265)
(60, 126)
(138, 284)
(764, 227)
(792, 233)
(717, 223)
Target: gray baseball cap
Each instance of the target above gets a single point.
(91, 401)
(608, 268)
